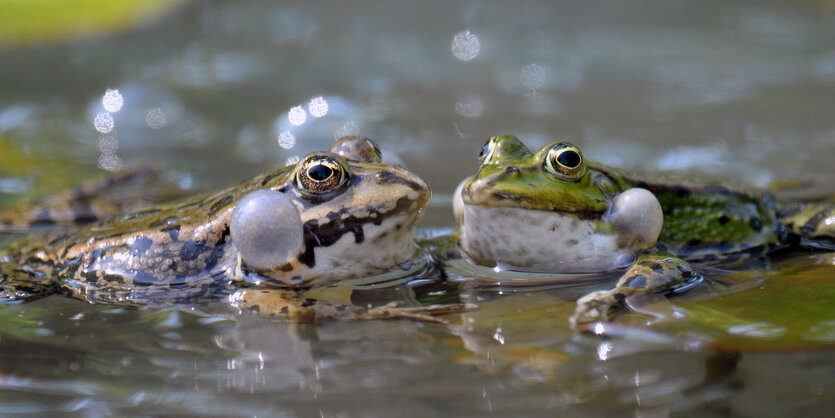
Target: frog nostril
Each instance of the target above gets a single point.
(511, 169)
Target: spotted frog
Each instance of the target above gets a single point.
(553, 211)
(333, 216)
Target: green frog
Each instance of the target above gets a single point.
(551, 211)
(332, 216)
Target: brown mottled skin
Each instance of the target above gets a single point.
(182, 251)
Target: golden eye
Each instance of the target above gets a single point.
(320, 174)
(566, 160)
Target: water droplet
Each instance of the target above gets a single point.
(286, 140)
(297, 115)
(292, 160)
(155, 118)
(318, 107)
(465, 46)
(112, 100)
(104, 122)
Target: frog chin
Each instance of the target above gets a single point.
(536, 240)
(384, 247)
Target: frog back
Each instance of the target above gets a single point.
(703, 218)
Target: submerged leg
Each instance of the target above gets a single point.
(655, 272)
(18, 284)
(294, 307)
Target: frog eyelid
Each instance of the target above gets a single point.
(565, 160)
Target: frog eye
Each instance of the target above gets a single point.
(565, 160)
(487, 150)
(320, 174)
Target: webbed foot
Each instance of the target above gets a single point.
(655, 272)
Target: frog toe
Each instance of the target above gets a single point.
(593, 307)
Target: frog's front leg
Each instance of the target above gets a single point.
(292, 306)
(653, 272)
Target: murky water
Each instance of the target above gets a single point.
(216, 92)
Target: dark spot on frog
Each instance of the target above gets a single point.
(220, 204)
(756, 224)
(255, 309)
(173, 232)
(572, 242)
(723, 219)
(83, 217)
(269, 177)
(637, 282)
(681, 191)
(308, 303)
(140, 245)
(656, 267)
(694, 242)
(191, 250)
(502, 195)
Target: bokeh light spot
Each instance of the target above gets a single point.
(465, 46)
(292, 160)
(286, 140)
(112, 100)
(318, 107)
(155, 118)
(297, 115)
(533, 76)
(104, 122)
(469, 106)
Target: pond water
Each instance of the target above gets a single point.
(215, 92)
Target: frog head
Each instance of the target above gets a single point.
(335, 215)
(548, 210)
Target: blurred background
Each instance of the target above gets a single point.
(218, 91)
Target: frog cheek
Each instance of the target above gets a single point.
(267, 230)
(636, 216)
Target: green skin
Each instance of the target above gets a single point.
(701, 221)
(183, 253)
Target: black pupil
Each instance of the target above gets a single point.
(484, 149)
(319, 172)
(569, 159)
